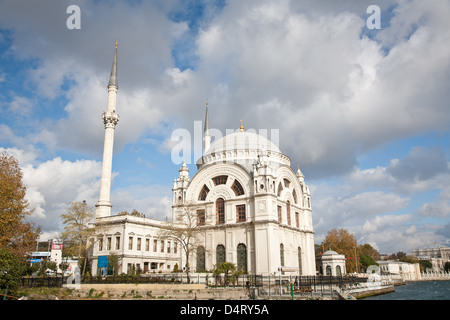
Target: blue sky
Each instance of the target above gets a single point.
(364, 113)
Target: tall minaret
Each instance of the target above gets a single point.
(110, 119)
(206, 136)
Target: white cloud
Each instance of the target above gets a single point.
(54, 184)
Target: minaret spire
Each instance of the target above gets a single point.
(206, 136)
(110, 120)
(113, 76)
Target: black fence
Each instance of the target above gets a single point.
(263, 286)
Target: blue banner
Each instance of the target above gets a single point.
(102, 261)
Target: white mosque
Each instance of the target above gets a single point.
(250, 209)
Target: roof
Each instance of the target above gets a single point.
(243, 141)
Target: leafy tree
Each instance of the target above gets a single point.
(409, 259)
(365, 262)
(226, 268)
(113, 263)
(15, 232)
(425, 264)
(447, 266)
(11, 269)
(343, 242)
(76, 228)
(52, 266)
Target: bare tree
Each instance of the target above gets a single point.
(187, 228)
(76, 226)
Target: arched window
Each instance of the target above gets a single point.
(328, 270)
(281, 255)
(220, 180)
(242, 257)
(201, 259)
(237, 188)
(338, 270)
(220, 254)
(220, 211)
(203, 193)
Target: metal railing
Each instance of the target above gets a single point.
(262, 286)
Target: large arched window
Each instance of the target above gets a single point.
(220, 254)
(201, 259)
(203, 193)
(220, 211)
(237, 188)
(281, 255)
(242, 257)
(220, 180)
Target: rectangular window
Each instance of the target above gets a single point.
(100, 244)
(130, 243)
(147, 244)
(117, 243)
(108, 243)
(162, 245)
(279, 214)
(155, 245)
(220, 211)
(139, 244)
(297, 220)
(168, 246)
(175, 247)
(240, 213)
(200, 217)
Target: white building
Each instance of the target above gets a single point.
(251, 209)
(331, 263)
(406, 271)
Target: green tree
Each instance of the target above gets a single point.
(76, 228)
(425, 264)
(447, 267)
(226, 268)
(113, 263)
(52, 266)
(365, 262)
(11, 270)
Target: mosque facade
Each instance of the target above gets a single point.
(244, 204)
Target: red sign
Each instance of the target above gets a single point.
(57, 246)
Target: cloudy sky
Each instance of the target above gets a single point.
(364, 112)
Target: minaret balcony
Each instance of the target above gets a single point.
(110, 119)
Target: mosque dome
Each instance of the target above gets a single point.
(245, 148)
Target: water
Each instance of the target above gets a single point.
(425, 290)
